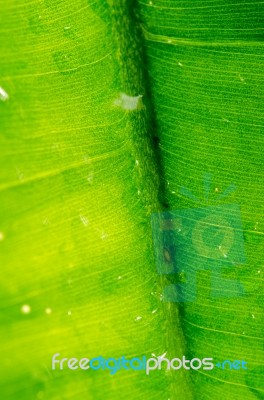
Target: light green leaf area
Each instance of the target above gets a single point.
(79, 180)
(78, 183)
(205, 62)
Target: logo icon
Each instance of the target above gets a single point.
(202, 238)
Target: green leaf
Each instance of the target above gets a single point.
(205, 62)
(84, 88)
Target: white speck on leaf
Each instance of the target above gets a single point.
(104, 236)
(84, 220)
(25, 309)
(45, 221)
(127, 102)
(2, 236)
(180, 64)
(138, 318)
(20, 174)
(3, 94)
(48, 311)
(90, 178)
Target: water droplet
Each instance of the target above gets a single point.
(2, 236)
(3, 94)
(154, 311)
(127, 102)
(138, 318)
(180, 64)
(69, 313)
(25, 309)
(48, 311)
(119, 277)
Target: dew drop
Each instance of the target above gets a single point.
(138, 318)
(180, 64)
(48, 311)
